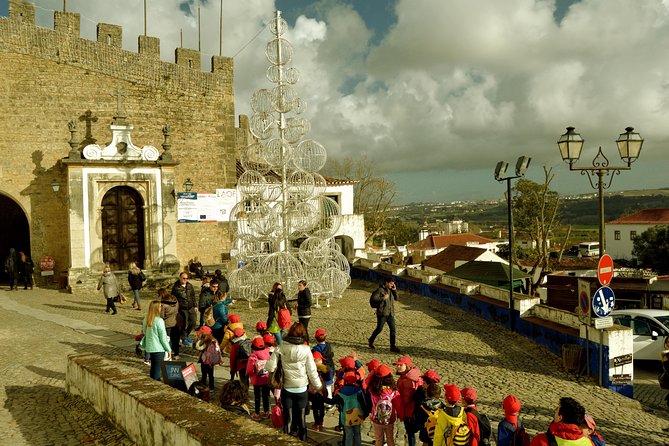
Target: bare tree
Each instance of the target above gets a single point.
(373, 195)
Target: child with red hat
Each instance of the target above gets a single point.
(258, 376)
(210, 354)
(261, 328)
(409, 381)
(452, 418)
(317, 397)
(326, 351)
(475, 421)
(511, 427)
(386, 405)
(427, 403)
(234, 322)
(240, 352)
(352, 409)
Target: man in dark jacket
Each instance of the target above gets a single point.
(385, 297)
(223, 284)
(185, 294)
(303, 305)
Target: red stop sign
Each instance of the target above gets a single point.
(46, 263)
(605, 270)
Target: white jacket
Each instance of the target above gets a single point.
(299, 368)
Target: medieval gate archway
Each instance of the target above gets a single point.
(14, 231)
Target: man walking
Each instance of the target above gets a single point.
(383, 300)
(185, 294)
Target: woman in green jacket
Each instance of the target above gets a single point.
(155, 341)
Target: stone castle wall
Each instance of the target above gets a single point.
(50, 77)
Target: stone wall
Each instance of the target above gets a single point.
(53, 76)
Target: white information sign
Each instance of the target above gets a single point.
(603, 322)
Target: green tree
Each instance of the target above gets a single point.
(400, 233)
(373, 195)
(651, 248)
(535, 212)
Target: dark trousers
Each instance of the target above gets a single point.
(110, 305)
(263, 391)
(410, 431)
(190, 320)
(318, 407)
(13, 280)
(380, 322)
(27, 281)
(175, 338)
(218, 334)
(305, 321)
(293, 405)
(156, 361)
(207, 372)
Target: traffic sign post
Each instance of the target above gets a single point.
(602, 303)
(584, 316)
(605, 270)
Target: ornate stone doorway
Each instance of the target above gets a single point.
(123, 228)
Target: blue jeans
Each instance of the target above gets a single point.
(136, 294)
(156, 361)
(380, 322)
(411, 435)
(352, 436)
(278, 336)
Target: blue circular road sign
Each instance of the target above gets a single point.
(603, 301)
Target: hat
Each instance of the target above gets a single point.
(350, 378)
(258, 342)
(371, 365)
(511, 407)
(469, 395)
(404, 360)
(261, 326)
(451, 393)
(317, 355)
(320, 332)
(204, 329)
(432, 375)
(232, 318)
(590, 422)
(347, 362)
(238, 332)
(268, 338)
(383, 370)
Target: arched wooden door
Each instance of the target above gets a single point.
(122, 228)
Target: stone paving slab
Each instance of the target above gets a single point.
(465, 350)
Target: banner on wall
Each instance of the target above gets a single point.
(193, 207)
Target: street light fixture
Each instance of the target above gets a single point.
(500, 171)
(629, 147)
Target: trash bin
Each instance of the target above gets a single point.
(571, 356)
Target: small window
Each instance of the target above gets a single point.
(632, 235)
(109, 39)
(334, 197)
(616, 235)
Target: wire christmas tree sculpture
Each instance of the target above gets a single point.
(284, 225)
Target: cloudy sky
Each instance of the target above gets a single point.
(437, 91)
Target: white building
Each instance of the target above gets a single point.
(620, 233)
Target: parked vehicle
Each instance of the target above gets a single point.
(589, 249)
(649, 327)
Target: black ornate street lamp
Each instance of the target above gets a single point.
(500, 171)
(629, 147)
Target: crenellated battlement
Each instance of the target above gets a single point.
(63, 44)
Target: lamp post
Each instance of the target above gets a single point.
(629, 147)
(500, 171)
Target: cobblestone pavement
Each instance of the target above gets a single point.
(465, 350)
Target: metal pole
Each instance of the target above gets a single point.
(600, 185)
(64, 5)
(220, 32)
(512, 318)
(144, 18)
(199, 40)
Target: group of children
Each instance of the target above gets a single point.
(440, 415)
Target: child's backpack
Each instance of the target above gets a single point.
(485, 428)
(260, 367)
(244, 350)
(352, 412)
(384, 409)
(212, 355)
(457, 432)
(431, 422)
(520, 437)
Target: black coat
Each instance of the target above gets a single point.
(387, 306)
(135, 280)
(185, 296)
(304, 303)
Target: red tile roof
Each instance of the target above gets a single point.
(442, 241)
(445, 260)
(658, 216)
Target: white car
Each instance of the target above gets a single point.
(649, 328)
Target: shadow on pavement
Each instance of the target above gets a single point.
(46, 373)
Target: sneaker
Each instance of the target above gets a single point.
(394, 349)
(267, 415)
(147, 362)
(256, 417)
(317, 427)
(370, 343)
(176, 357)
(339, 428)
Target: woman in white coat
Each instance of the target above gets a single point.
(299, 371)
